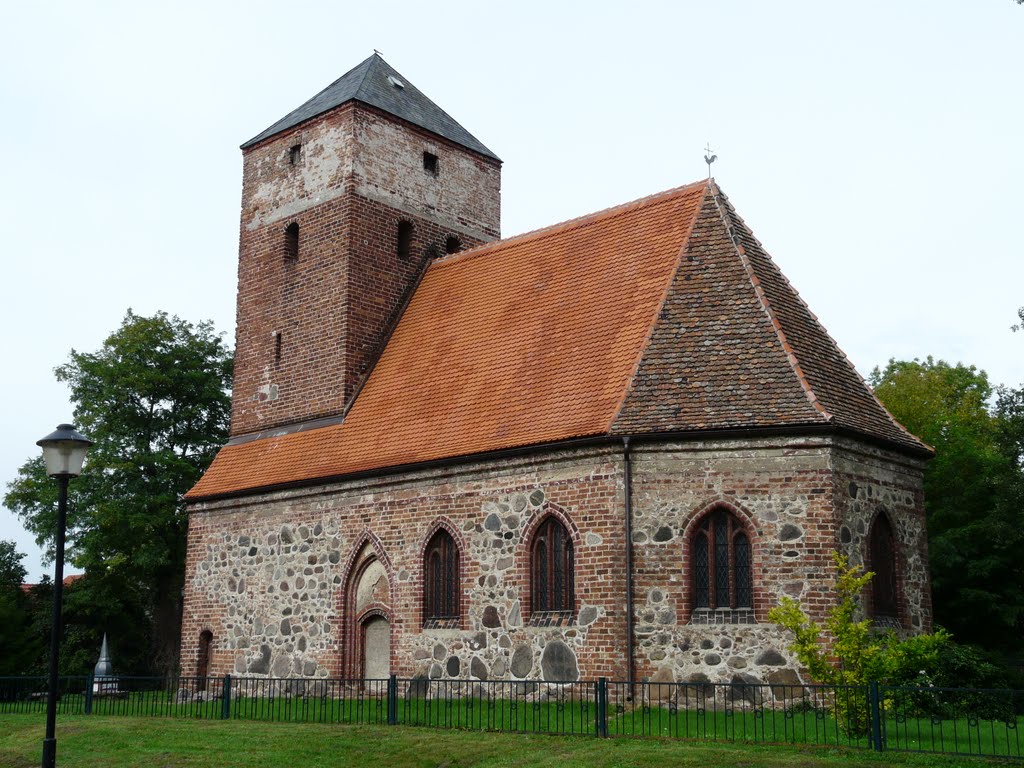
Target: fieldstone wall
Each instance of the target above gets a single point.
(870, 481)
(284, 581)
(269, 576)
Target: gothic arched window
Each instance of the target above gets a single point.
(882, 562)
(551, 568)
(441, 578)
(722, 574)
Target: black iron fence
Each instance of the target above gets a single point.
(945, 720)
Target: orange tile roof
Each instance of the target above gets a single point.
(661, 315)
(528, 340)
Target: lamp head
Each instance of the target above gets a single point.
(64, 451)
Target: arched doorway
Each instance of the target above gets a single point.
(376, 648)
(367, 617)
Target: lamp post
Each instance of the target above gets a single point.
(63, 453)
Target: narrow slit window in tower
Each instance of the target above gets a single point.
(452, 244)
(295, 154)
(291, 242)
(404, 239)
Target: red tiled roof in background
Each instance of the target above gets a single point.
(527, 340)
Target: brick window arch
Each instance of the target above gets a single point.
(552, 568)
(441, 579)
(882, 562)
(722, 559)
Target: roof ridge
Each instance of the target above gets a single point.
(579, 221)
(762, 297)
(657, 311)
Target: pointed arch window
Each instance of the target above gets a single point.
(441, 579)
(882, 562)
(552, 568)
(722, 573)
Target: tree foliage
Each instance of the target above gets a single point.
(155, 400)
(973, 493)
(18, 647)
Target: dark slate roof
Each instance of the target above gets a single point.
(368, 83)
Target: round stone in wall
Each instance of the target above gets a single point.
(537, 497)
(558, 662)
(522, 661)
(588, 615)
(453, 666)
(492, 522)
(490, 618)
(790, 532)
(663, 534)
(478, 669)
(771, 658)
(439, 651)
(435, 671)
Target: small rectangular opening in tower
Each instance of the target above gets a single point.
(291, 242)
(295, 154)
(404, 240)
(430, 163)
(277, 346)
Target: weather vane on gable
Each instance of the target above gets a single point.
(709, 158)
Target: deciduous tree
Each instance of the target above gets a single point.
(972, 494)
(155, 399)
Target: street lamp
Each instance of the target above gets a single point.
(63, 453)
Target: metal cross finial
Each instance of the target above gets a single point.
(709, 158)
(378, 53)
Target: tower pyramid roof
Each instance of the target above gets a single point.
(377, 83)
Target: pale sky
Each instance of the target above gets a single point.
(876, 148)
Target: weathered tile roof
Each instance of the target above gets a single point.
(369, 83)
(661, 315)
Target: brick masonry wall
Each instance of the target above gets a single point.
(868, 482)
(274, 577)
(359, 173)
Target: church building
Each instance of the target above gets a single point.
(603, 448)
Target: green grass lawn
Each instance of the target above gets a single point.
(118, 742)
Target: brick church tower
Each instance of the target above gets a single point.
(345, 201)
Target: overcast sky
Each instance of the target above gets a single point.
(875, 148)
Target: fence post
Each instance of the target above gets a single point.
(875, 715)
(393, 700)
(602, 707)
(225, 700)
(88, 693)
